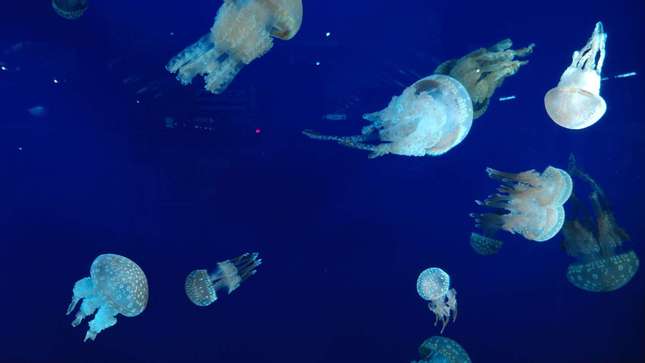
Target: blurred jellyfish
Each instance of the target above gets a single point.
(116, 286)
(430, 117)
(433, 285)
(484, 245)
(484, 70)
(242, 32)
(70, 9)
(576, 103)
(438, 349)
(602, 265)
(534, 202)
(201, 286)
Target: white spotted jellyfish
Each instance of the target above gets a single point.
(433, 285)
(116, 285)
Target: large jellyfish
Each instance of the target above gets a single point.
(534, 202)
(576, 103)
(430, 117)
(438, 349)
(201, 286)
(484, 245)
(602, 265)
(484, 70)
(433, 285)
(242, 32)
(116, 286)
(70, 9)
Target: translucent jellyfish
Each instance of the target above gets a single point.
(201, 286)
(70, 9)
(484, 70)
(433, 285)
(438, 349)
(242, 32)
(483, 245)
(430, 117)
(534, 202)
(602, 265)
(576, 103)
(116, 286)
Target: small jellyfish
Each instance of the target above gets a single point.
(576, 103)
(438, 349)
(242, 32)
(602, 264)
(70, 9)
(430, 117)
(484, 70)
(116, 285)
(483, 245)
(201, 286)
(534, 202)
(433, 285)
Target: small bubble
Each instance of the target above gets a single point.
(327, 34)
(317, 63)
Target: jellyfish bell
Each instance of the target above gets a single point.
(604, 274)
(442, 349)
(433, 285)
(484, 245)
(575, 103)
(70, 9)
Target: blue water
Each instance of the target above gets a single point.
(342, 237)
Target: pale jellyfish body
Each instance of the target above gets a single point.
(576, 102)
(433, 285)
(438, 349)
(243, 31)
(201, 286)
(116, 285)
(430, 117)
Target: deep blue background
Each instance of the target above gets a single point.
(343, 237)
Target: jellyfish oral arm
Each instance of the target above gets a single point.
(104, 318)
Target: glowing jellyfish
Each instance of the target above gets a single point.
(430, 117)
(483, 245)
(576, 103)
(242, 32)
(70, 9)
(433, 285)
(438, 349)
(201, 286)
(602, 265)
(116, 286)
(484, 70)
(534, 202)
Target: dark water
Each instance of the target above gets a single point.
(343, 238)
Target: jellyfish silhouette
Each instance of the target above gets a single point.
(433, 285)
(201, 286)
(484, 70)
(70, 9)
(242, 32)
(602, 264)
(116, 285)
(484, 245)
(576, 103)
(533, 201)
(438, 349)
(430, 117)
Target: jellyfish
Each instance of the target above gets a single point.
(430, 117)
(116, 285)
(201, 286)
(438, 349)
(242, 32)
(575, 103)
(484, 70)
(602, 264)
(534, 202)
(484, 245)
(70, 9)
(433, 285)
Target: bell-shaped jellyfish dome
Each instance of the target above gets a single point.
(242, 32)
(483, 245)
(576, 102)
(433, 285)
(430, 117)
(438, 349)
(484, 70)
(116, 285)
(70, 9)
(201, 286)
